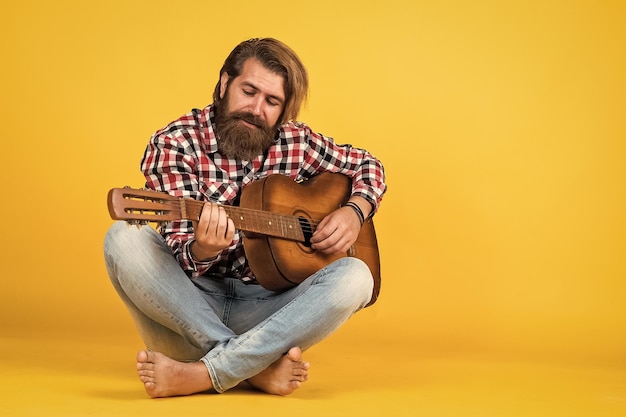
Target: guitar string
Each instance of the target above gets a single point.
(308, 227)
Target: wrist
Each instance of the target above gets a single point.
(197, 255)
(357, 210)
(365, 205)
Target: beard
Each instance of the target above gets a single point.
(238, 141)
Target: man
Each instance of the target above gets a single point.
(206, 322)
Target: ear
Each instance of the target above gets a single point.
(223, 83)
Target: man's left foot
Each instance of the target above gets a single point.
(284, 376)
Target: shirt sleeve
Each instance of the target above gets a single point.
(366, 171)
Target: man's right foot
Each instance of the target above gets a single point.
(166, 377)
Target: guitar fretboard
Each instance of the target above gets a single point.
(256, 221)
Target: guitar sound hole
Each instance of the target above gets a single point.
(307, 230)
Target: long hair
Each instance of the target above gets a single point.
(276, 57)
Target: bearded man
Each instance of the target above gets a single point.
(207, 323)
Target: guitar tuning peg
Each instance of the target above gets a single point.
(136, 223)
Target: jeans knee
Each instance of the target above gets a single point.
(354, 281)
(115, 235)
(126, 245)
(123, 238)
(116, 241)
(114, 246)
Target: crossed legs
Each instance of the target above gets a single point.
(207, 334)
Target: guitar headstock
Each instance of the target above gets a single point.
(142, 205)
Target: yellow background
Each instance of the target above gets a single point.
(500, 125)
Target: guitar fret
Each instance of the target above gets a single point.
(267, 223)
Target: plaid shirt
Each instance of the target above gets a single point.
(182, 159)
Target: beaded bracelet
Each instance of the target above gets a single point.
(357, 210)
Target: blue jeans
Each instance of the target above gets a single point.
(236, 329)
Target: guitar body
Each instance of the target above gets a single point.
(277, 215)
(279, 264)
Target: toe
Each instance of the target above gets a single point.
(142, 356)
(295, 354)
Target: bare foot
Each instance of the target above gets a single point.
(283, 376)
(166, 377)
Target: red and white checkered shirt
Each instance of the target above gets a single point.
(182, 159)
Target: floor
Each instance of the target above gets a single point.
(88, 378)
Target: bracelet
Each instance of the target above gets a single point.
(357, 210)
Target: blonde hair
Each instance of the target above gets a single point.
(276, 57)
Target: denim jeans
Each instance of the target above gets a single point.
(237, 330)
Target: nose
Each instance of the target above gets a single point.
(256, 107)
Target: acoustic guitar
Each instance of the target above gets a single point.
(278, 217)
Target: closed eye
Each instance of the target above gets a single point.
(251, 90)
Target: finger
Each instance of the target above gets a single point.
(208, 219)
(326, 243)
(199, 225)
(230, 231)
(339, 242)
(218, 221)
(221, 220)
(323, 231)
(337, 247)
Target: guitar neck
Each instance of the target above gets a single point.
(251, 220)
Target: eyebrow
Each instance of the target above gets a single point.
(255, 88)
